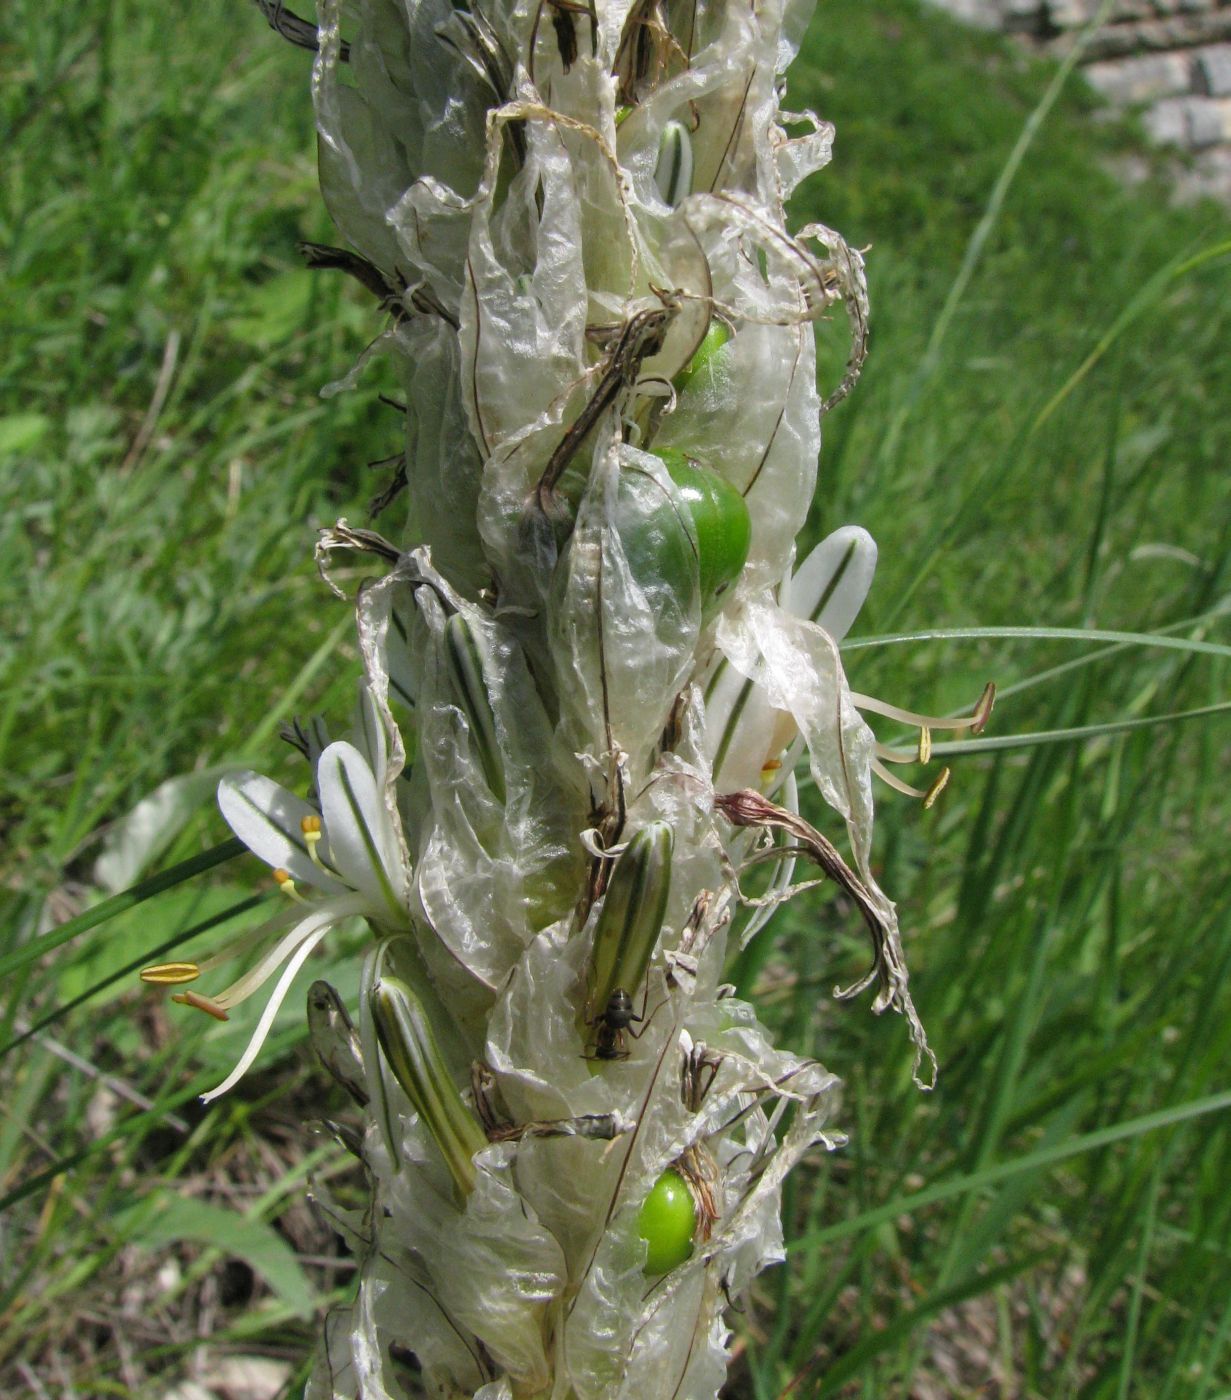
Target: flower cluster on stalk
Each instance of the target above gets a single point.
(594, 642)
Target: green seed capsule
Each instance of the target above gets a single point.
(667, 1222)
(703, 360)
(723, 525)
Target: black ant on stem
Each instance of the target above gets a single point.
(615, 1024)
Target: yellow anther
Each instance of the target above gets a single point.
(312, 833)
(942, 781)
(925, 744)
(200, 1003)
(171, 974)
(282, 878)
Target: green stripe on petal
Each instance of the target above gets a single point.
(360, 832)
(830, 585)
(673, 170)
(268, 820)
(465, 666)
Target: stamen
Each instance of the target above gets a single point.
(312, 831)
(888, 755)
(323, 917)
(925, 744)
(267, 1016)
(282, 878)
(975, 722)
(895, 782)
(202, 1003)
(983, 710)
(173, 974)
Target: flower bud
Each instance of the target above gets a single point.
(335, 1041)
(673, 171)
(632, 915)
(411, 1052)
(465, 666)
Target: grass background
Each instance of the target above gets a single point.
(1040, 439)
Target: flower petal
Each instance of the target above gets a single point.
(268, 820)
(362, 843)
(369, 734)
(830, 585)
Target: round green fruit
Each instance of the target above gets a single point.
(721, 520)
(667, 1222)
(703, 357)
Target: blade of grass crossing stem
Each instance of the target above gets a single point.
(148, 956)
(119, 903)
(1042, 634)
(1104, 653)
(1078, 734)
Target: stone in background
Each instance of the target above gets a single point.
(1168, 59)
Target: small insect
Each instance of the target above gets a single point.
(615, 1024)
(629, 925)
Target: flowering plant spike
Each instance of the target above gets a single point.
(591, 664)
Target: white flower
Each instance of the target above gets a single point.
(778, 685)
(349, 848)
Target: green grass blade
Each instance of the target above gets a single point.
(108, 908)
(1002, 1171)
(149, 956)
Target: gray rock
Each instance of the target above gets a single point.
(1213, 70)
(1194, 123)
(1209, 121)
(1146, 79)
(1074, 14)
(1167, 122)
(1209, 178)
(1151, 36)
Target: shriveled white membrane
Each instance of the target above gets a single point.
(550, 272)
